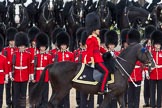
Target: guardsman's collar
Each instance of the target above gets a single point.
(63, 50)
(42, 52)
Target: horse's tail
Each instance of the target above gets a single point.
(36, 91)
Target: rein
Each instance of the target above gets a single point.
(136, 85)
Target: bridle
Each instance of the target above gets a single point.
(125, 72)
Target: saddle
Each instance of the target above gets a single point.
(91, 76)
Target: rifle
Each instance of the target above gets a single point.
(13, 64)
(35, 65)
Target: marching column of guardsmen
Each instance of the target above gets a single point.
(24, 63)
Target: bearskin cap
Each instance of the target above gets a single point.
(133, 36)
(92, 22)
(55, 32)
(10, 33)
(33, 31)
(111, 37)
(42, 40)
(62, 38)
(102, 35)
(124, 35)
(84, 37)
(2, 42)
(148, 30)
(21, 38)
(156, 37)
(78, 34)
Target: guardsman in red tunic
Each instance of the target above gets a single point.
(8, 51)
(147, 35)
(94, 56)
(111, 41)
(54, 46)
(42, 60)
(136, 75)
(134, 92)
(63, 54)
(32, 32)
(22, 68)
(78, 57)
(156, 73)
(3, 71)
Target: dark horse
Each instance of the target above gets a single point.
(18, 16)
(3, 21)
(133, 17)
(61, 75)
(46, 20)
(104, 14)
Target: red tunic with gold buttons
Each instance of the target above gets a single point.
(23, 66)
(3, 68)
(53, 53)
(79, 55)
(8, 51)
(156, 74)
(43, 59)
(65, 56)
(93, 49)
(136, 75)
(33, 52)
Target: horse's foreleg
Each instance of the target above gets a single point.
(121, 101)
(106, 101)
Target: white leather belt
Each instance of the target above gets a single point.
(1, 71)
(21, 67)
(40, 68)
(137, 66)
(158, 66)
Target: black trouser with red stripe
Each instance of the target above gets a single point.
(102, 68)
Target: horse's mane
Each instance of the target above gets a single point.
(133, 46)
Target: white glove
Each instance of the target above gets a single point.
(31, 77)
(147, 75)
(10, 75)
(6, 78)
(93, 65)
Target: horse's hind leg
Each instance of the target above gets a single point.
(56, 97)
(121, 101)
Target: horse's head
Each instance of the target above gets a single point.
(144, 56)
(17, 13)
(51, 5)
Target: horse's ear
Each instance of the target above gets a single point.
(144, 49)
(106, 56)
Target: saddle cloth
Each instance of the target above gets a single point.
(91, 76)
